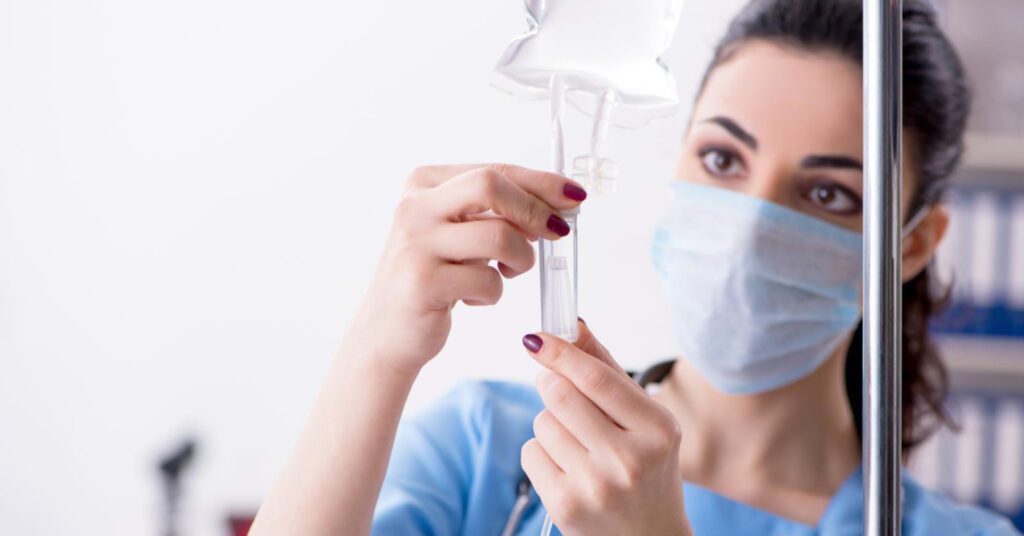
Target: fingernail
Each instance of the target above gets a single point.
(580, 318)
(558, 225)
(532, 342)
(574, 192)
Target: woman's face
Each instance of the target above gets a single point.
(785, 126)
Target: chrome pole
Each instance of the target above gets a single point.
(883, 151)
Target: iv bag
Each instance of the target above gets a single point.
(595, 46)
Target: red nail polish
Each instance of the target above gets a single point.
(532, 342)
(557, 225)
(574, 192)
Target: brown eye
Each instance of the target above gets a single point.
(834, 198)
(720, 162)
(824, 196)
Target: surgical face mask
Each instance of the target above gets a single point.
(761, 294)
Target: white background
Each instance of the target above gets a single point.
(193, 195)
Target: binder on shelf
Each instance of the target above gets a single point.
(983, 463)
(983, 258)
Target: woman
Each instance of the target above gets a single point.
(755, 429)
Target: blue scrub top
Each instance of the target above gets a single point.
(455, 471)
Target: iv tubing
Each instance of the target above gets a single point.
(558, 257)
(602, 119)
(595, 169)
(558, 303)
(557, 122)
(546, 529)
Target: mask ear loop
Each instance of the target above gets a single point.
(930, 195)
(915, 221)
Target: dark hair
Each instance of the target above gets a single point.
(935, 108)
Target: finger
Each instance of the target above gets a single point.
(587, 342)
(484, 240)
(491, 216)
(545, 475)
(482, 189)
(616, 395)
(506, 272)
(564, 449)
(474, 284)
(552, 188)
(580, 417)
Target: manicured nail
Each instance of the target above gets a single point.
(558, 225)
(580, 318)
(532, 342)
(574, 192)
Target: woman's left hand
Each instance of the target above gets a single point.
(605, 459)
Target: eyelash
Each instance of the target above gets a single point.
(705, 151)
(853, 198)
(807, 193)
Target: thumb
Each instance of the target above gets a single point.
(589, 344)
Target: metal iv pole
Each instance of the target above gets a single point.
(883, 308)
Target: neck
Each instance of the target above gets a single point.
(799, 437)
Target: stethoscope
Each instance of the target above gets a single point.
(651, 375)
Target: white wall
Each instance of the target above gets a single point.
(193, 195)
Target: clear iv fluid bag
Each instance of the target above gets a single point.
(595, 46)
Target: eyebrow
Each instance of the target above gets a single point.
(813, 161)
(735, 129)
(831, 161)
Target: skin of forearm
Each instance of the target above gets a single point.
(333, 477)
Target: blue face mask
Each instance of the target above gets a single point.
(761, 294)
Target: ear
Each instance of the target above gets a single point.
(920, 245)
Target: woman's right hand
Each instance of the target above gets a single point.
(450, 222)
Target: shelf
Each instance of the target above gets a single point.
(985, 151)
(988, 363)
